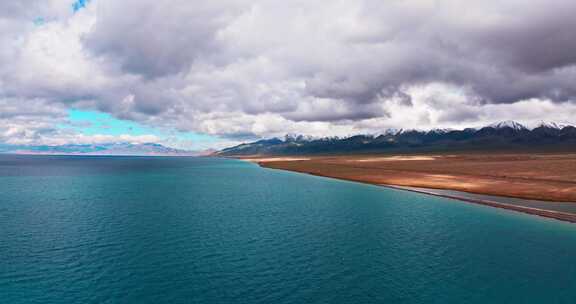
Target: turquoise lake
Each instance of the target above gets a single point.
(207, 230)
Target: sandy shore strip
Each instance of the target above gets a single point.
(568, 207)
(558, 215)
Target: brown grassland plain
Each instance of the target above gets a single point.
(541, 176)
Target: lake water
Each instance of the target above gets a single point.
(201, 230)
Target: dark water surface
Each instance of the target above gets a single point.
(198, 230)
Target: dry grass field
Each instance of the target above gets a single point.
(542, 176)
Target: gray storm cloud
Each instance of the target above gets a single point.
(267, 67)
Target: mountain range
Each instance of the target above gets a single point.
(506, 135)
(96, 149)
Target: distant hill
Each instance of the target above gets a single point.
(97, 149)
(508, 135)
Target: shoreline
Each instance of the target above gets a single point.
(557, 215)
(551, 214)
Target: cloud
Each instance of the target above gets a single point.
(157, 39)
(244, 69)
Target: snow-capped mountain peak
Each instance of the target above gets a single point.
(440, 131)
(551, 125)
(508, 124)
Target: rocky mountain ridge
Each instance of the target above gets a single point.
(498, 136)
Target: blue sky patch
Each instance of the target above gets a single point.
(98, 123)
(79, 4)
